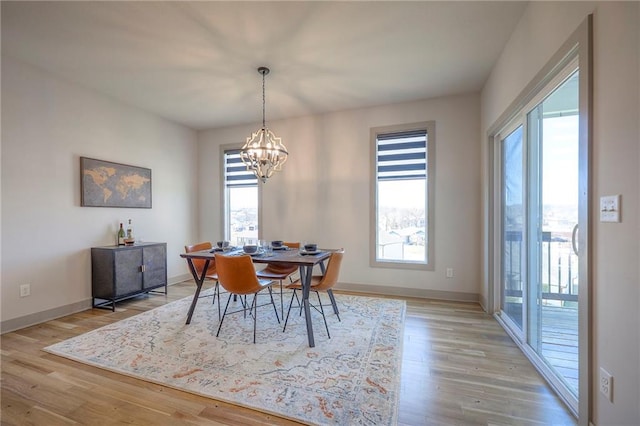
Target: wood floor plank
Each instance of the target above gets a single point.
(459, 368)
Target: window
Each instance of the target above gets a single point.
(403, 196)
(240, 199)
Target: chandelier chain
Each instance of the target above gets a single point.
(263, 103)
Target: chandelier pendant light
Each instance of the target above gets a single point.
(263, 153)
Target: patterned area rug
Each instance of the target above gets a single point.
(352, 378)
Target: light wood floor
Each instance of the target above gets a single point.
(459, 368)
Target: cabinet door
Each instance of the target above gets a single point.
(155, 266)
(128, 271)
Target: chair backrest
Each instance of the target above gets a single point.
(237, 274)
(330, 277)
(283, 268)
(199, 263)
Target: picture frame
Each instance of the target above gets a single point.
(109, 184)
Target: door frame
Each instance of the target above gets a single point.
(579, 45)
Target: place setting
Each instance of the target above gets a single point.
(309, 249)
(222, 246)
(261, 248)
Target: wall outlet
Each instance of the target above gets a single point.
(606, 384)
(449, 272)
(25, 290)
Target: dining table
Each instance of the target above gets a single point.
(305, 261)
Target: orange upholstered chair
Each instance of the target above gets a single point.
(211, 275)
(278, 272)
(237, 275)
(321, 283)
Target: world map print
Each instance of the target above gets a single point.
(107, 184)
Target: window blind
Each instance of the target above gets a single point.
(402, 155)
(235, 172)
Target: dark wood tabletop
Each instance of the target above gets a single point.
(291, 256)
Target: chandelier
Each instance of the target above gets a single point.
(263, 153)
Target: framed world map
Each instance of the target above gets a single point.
(107, 184)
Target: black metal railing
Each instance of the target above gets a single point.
(558, 267)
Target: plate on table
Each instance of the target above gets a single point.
(310, 253)
(280, 248)
(222, 250)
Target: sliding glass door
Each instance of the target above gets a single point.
(513, 230)
(553, 212)
(539, 281)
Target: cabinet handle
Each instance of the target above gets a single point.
(141, 268)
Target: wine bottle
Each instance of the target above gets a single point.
(130, 231)
(121, 236)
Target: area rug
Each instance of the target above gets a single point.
(353, 378)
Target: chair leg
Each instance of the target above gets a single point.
(255, 316)
(334, 304)
(273, 303)
(322, 312)
(299, 304)
(223, 315)
(281, 300)
(216, 293)
(289, 310)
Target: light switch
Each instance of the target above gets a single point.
(610, 208)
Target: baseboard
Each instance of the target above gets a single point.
(180, 278)
(48, 315)
(483, 303)
(409, 292)
(51, 314)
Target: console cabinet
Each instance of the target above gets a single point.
(121, 272)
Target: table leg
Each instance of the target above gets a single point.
(305, 278)
(199, 280)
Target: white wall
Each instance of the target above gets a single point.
(47, 124)
(323, 192)
(616, 160)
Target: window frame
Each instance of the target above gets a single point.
(226, 225)
(429, 264)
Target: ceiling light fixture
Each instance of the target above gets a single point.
(263, 153)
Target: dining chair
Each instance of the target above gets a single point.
(237, 275)
(280, 271)
(211, 274)
(320, 283)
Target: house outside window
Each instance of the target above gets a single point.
(402, 194)
(241, 199)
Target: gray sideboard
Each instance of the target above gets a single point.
(121, 272)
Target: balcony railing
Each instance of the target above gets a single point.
(558, 272)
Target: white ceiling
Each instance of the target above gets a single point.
(195, 62)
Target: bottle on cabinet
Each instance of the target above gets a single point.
(128, 239)
(129, 231)
(121, 236)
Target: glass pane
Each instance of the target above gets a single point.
(242, 211)
(401, 220)
(555, 321)
(513, 271)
